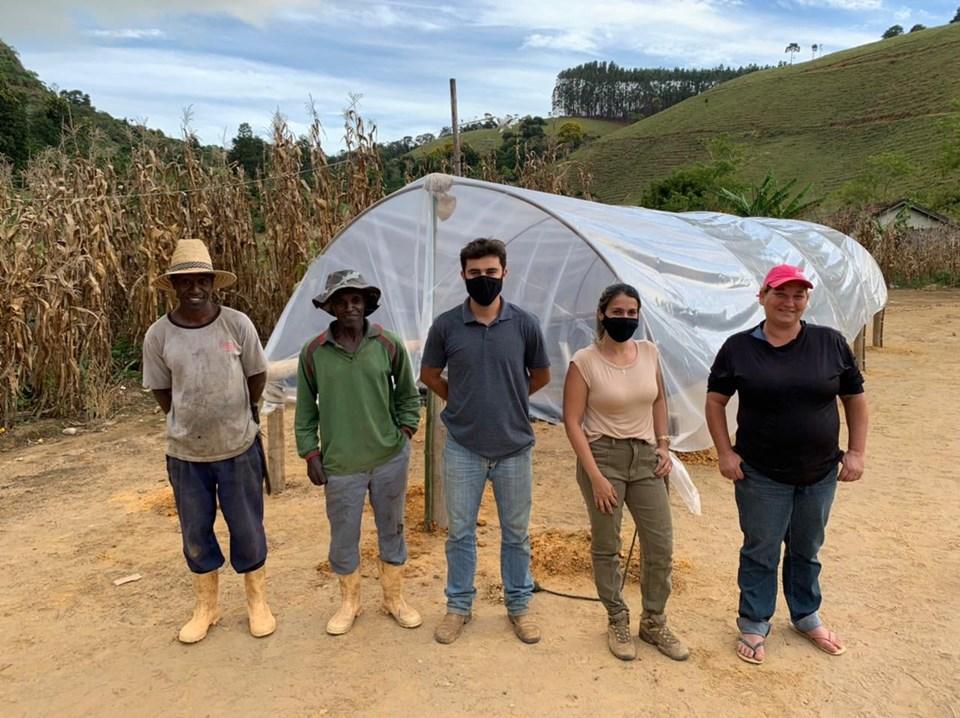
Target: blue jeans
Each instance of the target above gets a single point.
(345, 494)
(464, 476)
(238, 484)
(774, 514)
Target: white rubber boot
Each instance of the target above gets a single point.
(391, 581)
(206, 612)
(342, 620)
(262, 622)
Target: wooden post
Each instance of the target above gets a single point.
(860, 348)
(456, 127)
(435, 512)
(276, 446)
(878, 327)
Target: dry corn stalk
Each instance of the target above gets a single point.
(81, 243)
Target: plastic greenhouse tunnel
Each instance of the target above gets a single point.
(698, 275)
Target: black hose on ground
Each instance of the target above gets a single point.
(538, 588)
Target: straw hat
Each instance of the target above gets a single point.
(191, 257)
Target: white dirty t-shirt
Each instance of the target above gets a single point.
(206, 368)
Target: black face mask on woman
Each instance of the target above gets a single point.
(484, 290)
(620, 329)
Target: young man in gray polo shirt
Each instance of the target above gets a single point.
(496, 357)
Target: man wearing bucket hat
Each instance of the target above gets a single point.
(357, 408)
(206, 368)
(786, 462)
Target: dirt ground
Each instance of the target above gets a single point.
(78, 512)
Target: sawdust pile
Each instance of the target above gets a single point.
(706, 457)
(567, 553)
(159, 501)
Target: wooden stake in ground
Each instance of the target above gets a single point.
(434, 510)
(878, 328)
(276, 442)
(860, 348)
(455, 126)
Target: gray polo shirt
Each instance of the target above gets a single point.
(488, 374)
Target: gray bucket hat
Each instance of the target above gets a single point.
(348, 279)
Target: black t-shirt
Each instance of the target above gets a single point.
(788, 424)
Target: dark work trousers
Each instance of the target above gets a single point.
(238, 484)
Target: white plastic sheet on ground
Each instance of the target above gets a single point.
(697, 273)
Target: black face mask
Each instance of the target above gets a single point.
(484, 290)
(620, 329)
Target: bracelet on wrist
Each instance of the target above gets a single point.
(665, 440)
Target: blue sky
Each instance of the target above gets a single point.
(237, 61)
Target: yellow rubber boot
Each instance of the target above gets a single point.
(206, 612)
(342, 620)
(262, 622)
(391, 581)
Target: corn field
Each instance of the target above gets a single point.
(80, 246)
(82, 242)
(906, 256)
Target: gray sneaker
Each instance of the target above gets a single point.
(654, 630)
(450, 627)
(618, 637)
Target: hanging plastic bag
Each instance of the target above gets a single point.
(681, 481)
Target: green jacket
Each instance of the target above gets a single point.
(350, 407)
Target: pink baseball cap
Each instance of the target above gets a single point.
(783, 273)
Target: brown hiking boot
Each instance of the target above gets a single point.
(653, 629)
(526, 628)
(618, 637)
(450, 627)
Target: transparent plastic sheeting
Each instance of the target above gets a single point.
(698, 275)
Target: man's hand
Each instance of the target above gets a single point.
(852, 466)
(730, 465)
(315, 472)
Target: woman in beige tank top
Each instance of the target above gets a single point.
(615, 414)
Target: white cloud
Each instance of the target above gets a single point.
(615, 18)
(572, 41)
(129, 33)
(385, 15)
(843, 4)
(33, 18)
(398, 53)
(225, 91)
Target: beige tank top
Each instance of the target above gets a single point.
(619, 398)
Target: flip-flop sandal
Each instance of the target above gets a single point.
(753, 647)
(815, 640)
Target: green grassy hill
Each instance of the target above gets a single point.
(484, 141)
(40, 113)
(817, 121)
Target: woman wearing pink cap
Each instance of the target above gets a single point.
(787, 460)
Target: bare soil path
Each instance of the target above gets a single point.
(78, 512)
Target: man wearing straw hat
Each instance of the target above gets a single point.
(357, 408)
(206, 368)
